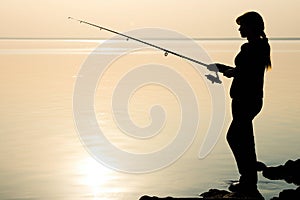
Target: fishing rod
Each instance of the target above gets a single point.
(213, 79)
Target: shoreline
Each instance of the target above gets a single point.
(289, 172)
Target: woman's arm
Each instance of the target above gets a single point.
(223, 68)
(226, 70)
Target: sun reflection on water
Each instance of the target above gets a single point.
(98, 179)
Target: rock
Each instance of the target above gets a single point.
(212, 194)
(288, 194)
(223, 194)
(145, 197)
(260, 166)
(290, 172)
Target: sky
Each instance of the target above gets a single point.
(193, 18)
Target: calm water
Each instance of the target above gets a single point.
(42, 156)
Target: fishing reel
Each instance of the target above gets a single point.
(214, 79)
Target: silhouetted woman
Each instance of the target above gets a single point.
(247, 98)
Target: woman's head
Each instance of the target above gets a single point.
(251, 24)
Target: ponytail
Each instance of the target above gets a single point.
(268, 61)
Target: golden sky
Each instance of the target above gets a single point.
(194, 18)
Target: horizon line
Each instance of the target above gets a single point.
(94, 38)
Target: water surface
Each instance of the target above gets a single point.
(42, 156)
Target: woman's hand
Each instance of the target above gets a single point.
(229, 73)
(217, 67)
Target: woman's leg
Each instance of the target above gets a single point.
(240, 137)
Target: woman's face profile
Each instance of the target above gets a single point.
(243, 31)
(248, 31)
